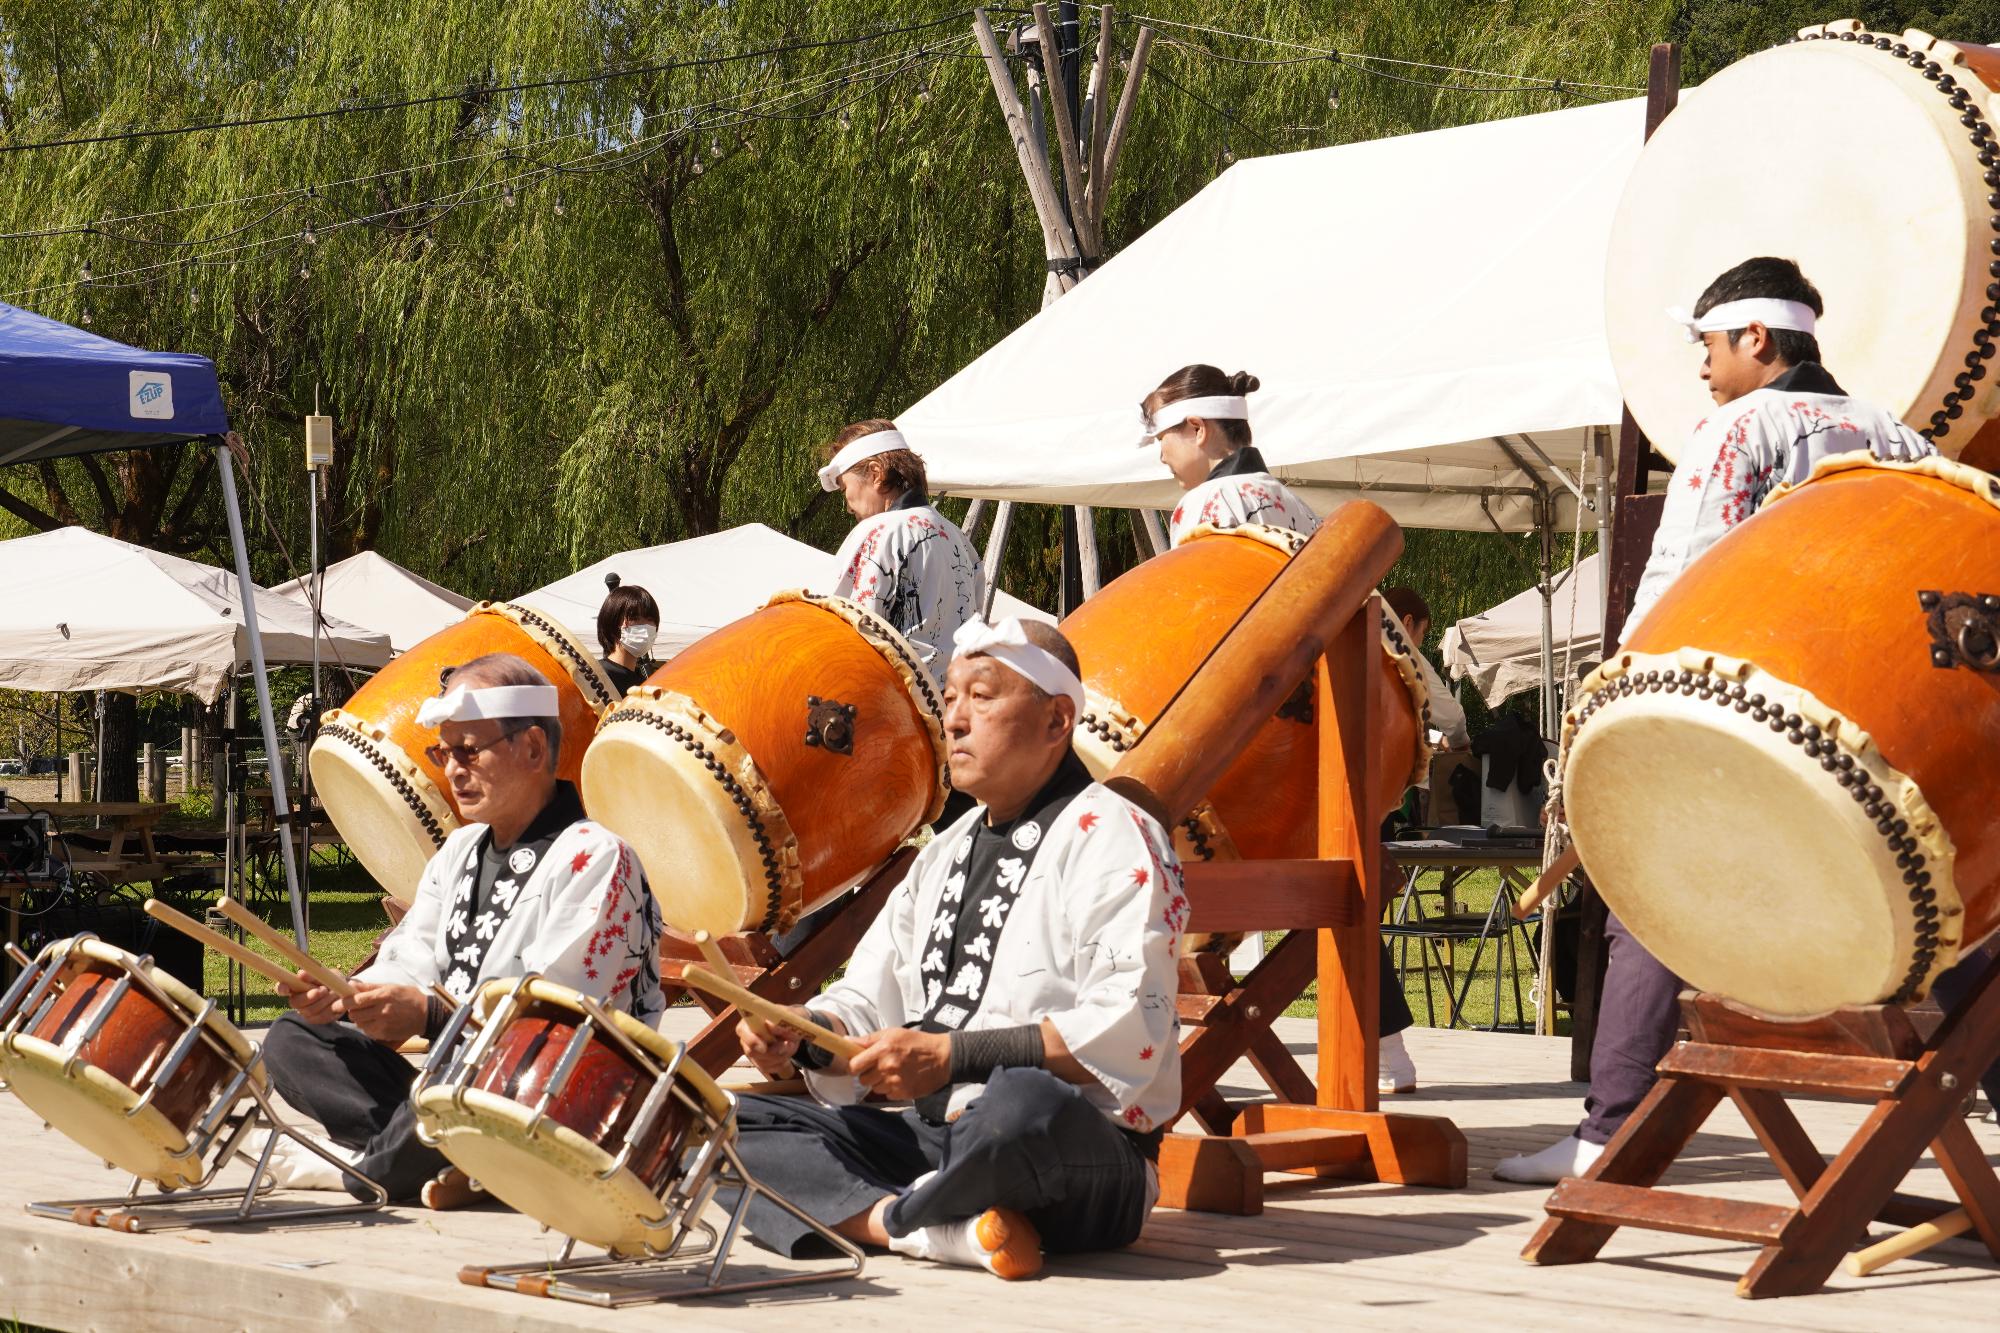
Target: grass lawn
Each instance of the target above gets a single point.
(347, 916)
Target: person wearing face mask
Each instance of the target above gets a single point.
(1200, 418)
(904, 560)
(627, 624)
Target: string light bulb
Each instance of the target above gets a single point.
(507, 195)
(714, 146)
(309, 236)
(695, 167)
(85, 320)
(559, 205)
(846, 120)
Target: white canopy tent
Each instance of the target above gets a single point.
(1425, 312)
(1500, 650)
(373, 590)
(87, 612)
(703, 583)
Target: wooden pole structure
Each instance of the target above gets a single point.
(1072, 217)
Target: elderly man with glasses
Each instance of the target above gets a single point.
(528, 884)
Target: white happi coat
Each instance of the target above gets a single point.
(914, 568)
(1750, 447)
(1090, 944)
(1240, 491)
(584, 918)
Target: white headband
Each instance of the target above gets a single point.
(1007, 643)
(1170, 415)
(856, 451)
(495, 701)
(1772, 314)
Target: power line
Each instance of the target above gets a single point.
(484, 90)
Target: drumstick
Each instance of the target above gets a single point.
(1547, 883)
(219, 942)
(1918, 1238)
(291, 952)
(721, 967)
(750, 1003)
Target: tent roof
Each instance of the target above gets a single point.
(1500, 650)
(373, 590)
(87, 612)
(704, 583)
(1418, 309)
(72, 392)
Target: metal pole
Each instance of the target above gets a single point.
(996, 549)
(313, 589)
(1603, 531)
(273, 756)
(1547, 509)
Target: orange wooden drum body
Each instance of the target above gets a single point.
(772, 764)
(1784, 783)
(1141, 638)
(391, 803)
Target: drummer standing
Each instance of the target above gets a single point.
(904, 560)
(527, 884)
(1784, 413)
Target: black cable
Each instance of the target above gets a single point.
(1197, 98)
(486, 90)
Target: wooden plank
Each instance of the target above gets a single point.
(1232, 897)
(1063, 114)
(1296, 1149)
(1210, 1175)
(1121, 124)
(1350, 958)
(1403, 1149)
(1597, 1201)
(1863, 1077)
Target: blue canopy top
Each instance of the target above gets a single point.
(65, 391)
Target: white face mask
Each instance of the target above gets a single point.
(638, 639)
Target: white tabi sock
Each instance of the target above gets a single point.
(1569, 1157)
(1395, 1070)
(296, 1167)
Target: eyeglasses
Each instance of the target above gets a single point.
(465, 754)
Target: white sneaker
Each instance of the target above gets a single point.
(1569, 1157)
(999, 1240)
(296, 1167)
(1396, 1071)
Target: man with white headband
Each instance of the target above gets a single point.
(1778, 413)
(1200, 419)
(904, 560)
(526, 884)
(1018, 988)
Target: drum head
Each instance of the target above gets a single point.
(1736, 858)
(96, 1111)
(1863, 174)
(552, 1174)
(378, 801)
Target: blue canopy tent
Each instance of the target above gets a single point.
(65, 392)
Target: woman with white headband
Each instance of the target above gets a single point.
(1200, 418)
(904, 560)
(1778, 412)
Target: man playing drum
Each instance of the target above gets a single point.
(904, 560)
(1783, 414)
(526, 885)
(1018, 988)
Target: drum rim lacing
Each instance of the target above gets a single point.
(552, 638)
(1846, 753)
(419, 793)
(1916, 49)
(1105, 719)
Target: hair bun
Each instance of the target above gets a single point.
(1242, 382)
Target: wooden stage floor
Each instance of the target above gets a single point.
(1372, 1256)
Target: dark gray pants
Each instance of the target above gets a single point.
(359, 1091)
(1636, 1022)
(1031, 1142)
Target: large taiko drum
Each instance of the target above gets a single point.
(391, 804)
(1874, 170)
(1784, 783)
(1142, 637)
(772, 764)
(583, 1118)
(123, 1058)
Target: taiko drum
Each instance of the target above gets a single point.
(772, 764)
(391, 804)
(1784, 782)
(1141, 638)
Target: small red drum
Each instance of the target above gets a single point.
(1141, 638)
(583, 1118)
(1784, 782)
(772, 764)
(391, 804)
(1871, 170)
(124, 1059)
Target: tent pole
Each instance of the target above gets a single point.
(1603, 434)
(1547, 513)
(996, 550)
(273, 756)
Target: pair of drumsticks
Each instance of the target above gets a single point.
(256, 962)
(761, 1014)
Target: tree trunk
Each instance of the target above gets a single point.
(121, 746)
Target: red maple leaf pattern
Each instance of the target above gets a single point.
(578, 862)
(1133, 1116)
(1140, 878)
(1088, 821)
(1177, 514)
(1146, 1054)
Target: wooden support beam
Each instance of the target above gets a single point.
(1064, 116)
(1350, 960)
(1058, 239)
(1096, 121)
(1235, 897)
(1121, 124)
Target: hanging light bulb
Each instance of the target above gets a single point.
(559, 205)
(1333, 97)
(696, 167)
(309, 236)
(86, 317)
(305, 271)
(194, 297)
(507, 195)
(714, 146)
(846, 121)
(1228, 154)
(86, 270)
